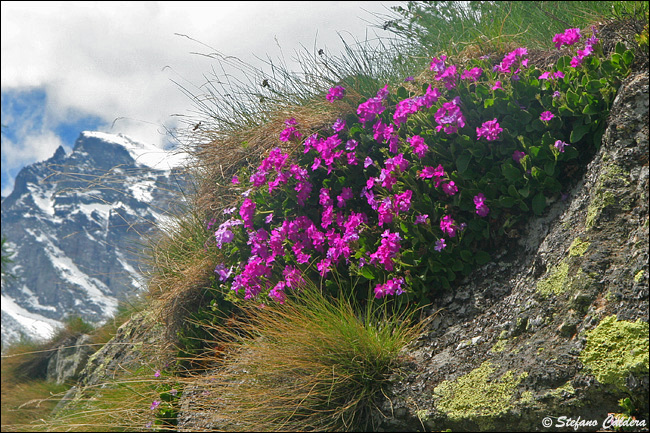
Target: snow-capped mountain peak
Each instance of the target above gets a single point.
(76, 224)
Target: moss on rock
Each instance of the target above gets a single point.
(478, 396)
(614, 349)
(556, 281)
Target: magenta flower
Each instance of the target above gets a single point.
(419, 146)
(421, 219)
(449, 117)
(559, 145)
(509, 63)
(497, 85)
(440, 245)
(235, 180)
(569, 37)
(246, 211)
(155, 404)
(481, 208)
(448, 77)
(369, 109)
(546, 116)
(339, 125)
(290, 133)
(517, 155)
(387, 250)
(472, 74)
(335, 93)
(490, 130)
(450, 188)
(157, 373)
(223, 273)
(438, 65)
(403, 201)
(391, 287)
(448, 226)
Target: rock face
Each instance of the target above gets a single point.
(557, 325)
(77, 224)
(69, 359)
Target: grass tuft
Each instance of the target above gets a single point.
(314, 363)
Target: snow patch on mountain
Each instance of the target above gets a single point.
(33, 324)
(96, 290)
(145, 154)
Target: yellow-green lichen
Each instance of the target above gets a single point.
(614, 349)
(556, 281)
(602, 196)
(499, 346)
(578, 247)
(559, 392)
(478, 396)
(638, 276)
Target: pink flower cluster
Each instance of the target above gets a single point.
(490, 130)
(335, 93)
(481, 208)
(513, 61)
(387, 251)
(446, 74)
(448, 187)
(449, 117)
(290, 132)
(390, 287)
(569, 37)
(367, 111)
(409, 106)
(472, 74)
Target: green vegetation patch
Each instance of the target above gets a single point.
(478, 396)
(603, 195)
(556, 282)
(615, 349)
(578, 247)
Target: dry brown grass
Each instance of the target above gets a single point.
(311, 364)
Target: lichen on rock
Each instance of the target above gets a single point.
(478, 396)
(616, 349)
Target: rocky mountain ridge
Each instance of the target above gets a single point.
(76, 224)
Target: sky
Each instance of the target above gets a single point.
(117, 67)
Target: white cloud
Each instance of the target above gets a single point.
(117, 59)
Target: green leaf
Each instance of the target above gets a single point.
(513, 191)
(482, 257)
(594, 86)
(620, 48)
(367, 273)
(628, 57)
(488, 103)
(462, 162)
(402, 93)
(549, 167)
(539, 204)
(608, 67)
(578, 132)
(572, 97)
(510, 172)
(525, 192)
(466, 255)
(506, 201)
(591, 109)
(523, 206)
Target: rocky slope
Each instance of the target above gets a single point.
(555, 329)
(76, 224)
